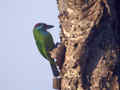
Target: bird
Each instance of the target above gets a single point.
(45, 44)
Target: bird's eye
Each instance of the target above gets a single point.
(39, 27)
(42, 25)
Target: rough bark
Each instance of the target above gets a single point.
(89, 31)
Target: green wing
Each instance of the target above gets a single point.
(49, 44)
(44, 43)
(39, 44)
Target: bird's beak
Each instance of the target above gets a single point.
(49, 26)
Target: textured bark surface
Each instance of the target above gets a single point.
(89, 31)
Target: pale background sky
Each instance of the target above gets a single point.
(21, 65)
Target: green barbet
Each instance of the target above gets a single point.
(44, 42)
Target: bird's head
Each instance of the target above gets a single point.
(42, 26)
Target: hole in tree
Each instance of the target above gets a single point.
(76, 45)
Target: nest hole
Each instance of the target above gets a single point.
(76, 45)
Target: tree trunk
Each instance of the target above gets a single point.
(89, 31)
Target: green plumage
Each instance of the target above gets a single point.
(44, 42)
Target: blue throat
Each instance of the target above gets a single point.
(42, 30)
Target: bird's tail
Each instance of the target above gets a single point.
(54, 68)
